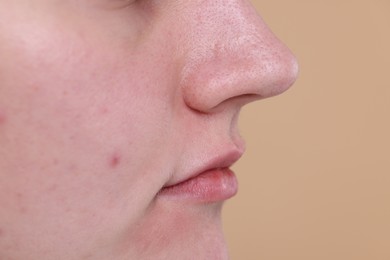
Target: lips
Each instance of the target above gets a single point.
(212, 183)
(210, 186)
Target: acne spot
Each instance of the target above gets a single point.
(72, 168)
(1, 232)
(20, 200)
(88, 256)
(3, 118)
(104, 110)
(115, 160)
(55, 161)
(52, 188)
(19, 196)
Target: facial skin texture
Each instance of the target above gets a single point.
(103, 102)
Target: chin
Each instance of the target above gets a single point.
(174, 231)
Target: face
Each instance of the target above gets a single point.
(118, 123)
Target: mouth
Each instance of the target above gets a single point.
(213, 183)
(210, 186)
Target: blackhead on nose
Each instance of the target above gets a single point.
(230, 55)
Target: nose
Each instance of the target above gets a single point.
(231, 54)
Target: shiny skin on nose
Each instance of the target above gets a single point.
(231, 54)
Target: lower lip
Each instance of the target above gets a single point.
(211, 186)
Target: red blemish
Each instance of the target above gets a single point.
(55, 161)
(115, 160)
(22, 210)
(2, 118)
(103, 110)
(72, 168)
(19, 195)
(52, 188)
(20, 200)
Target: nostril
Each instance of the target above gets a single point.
(235, 102)
(206, 92)
(214, 85)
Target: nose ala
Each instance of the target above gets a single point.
(231, 54)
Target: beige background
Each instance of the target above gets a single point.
(315, 181)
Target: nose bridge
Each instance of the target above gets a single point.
(232, 53)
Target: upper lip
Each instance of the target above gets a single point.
(223, 160)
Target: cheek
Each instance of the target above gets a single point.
(3, 118)
(87, 138)
(87, 128)
(79, 145)
(77, 162)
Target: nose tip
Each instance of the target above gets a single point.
(235, 58)
(276, 71)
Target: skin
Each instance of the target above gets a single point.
(103, 102)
